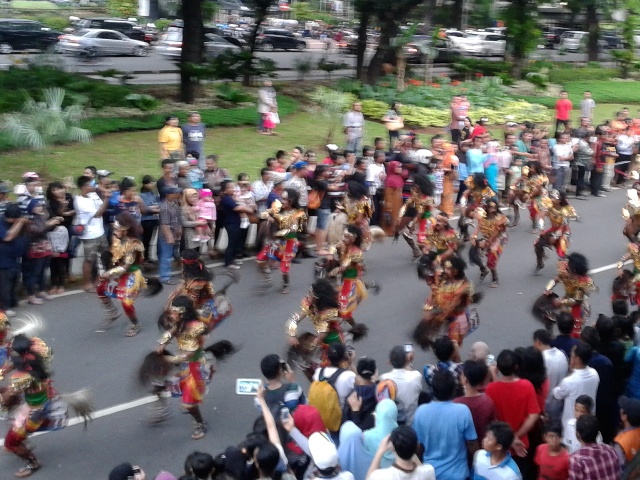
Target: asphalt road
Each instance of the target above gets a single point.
(106, 362)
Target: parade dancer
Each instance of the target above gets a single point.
(123, 279)
(477, 192)
(489, 239)
(357, 206)
(417, 209)
(40, 407)
(441, 244)
(289, 219)
(631, 214)
(532, 190)
(447, 307)
(573, 274)
(5, 343)
(321, 306)
(632, 279)
(183, 323)
(197, 283)
(557, 209)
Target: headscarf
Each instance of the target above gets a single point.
(353, 456)
(393, 180)
(307, 419)
(185, 193)
(386, 421)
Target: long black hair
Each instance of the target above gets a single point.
(531, 366)
(189, 313)
(193, 268)
(424, 184)
(325, 294)
(357, 232)
(26, 359)
(293, 197)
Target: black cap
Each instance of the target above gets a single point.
(366, 367)
(124, 471)
(13, 211)
(631, 408)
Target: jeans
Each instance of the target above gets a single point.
(234, 235)
(34, 281)
(561, 177)
(166, 253)
(354, 145)
(8, 286)
(580, 180)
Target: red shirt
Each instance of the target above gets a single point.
(563, 109)
(552, 467)
(483, 411)
(515, 401)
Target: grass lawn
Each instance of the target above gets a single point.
(241, 149)
(33, 5)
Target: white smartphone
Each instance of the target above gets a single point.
(247, 386)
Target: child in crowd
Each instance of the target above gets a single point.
(194, 175)
(206, 211)
(583, 406)
(552, 458)
(493, 461)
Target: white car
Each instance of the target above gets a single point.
(482, 43)
(94, 42)
(576, 40)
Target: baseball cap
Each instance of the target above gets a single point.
(121, 472)
(30, 177)
(4, 188)
(323, 451)
(631, 407)
(299, 165)
(104, 173)
(512, 124)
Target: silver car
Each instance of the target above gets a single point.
(170, 45)
(94, 42)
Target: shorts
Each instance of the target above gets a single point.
(323, 218)
(94, 247)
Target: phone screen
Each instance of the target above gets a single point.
(247, 386)
(408, 347)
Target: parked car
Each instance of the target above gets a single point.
(98, 42)
(482, 43)
(612, 41)
(443, 53)
(279, 39)
(552, 36)
(126, 27)
(16, 34)
(576, 40)
(236, 7)
(170, 45)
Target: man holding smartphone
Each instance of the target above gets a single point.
(281, 386)
(408, 382)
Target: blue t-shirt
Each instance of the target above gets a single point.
(11, 252)
(193, 138)
(475, 161)
(230, 217)
(445, 442)
(505, 470)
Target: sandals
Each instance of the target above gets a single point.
(28, 470)
(199, 431)
(133, 330)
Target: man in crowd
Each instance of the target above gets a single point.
(169, 233)
(446, 444)
(592, 461)
(193, 135)
(12, 246)
(483, 410)
(556, 364)
(354, 127)
(563, 111)
(408, 382)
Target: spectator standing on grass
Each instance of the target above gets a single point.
(592, 461)
(587, 105)
(563, 111)
(12, 247)
(193, 135)
(170, 233)
(267, 103)
(89, 210)
(353, 123)
(170, 139)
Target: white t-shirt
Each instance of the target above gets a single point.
(354, 121)
(570, 439)
(625, 144)
(374, 170)
(557, 366)
(86, 208)
(409, 383)
(582, 381)
(343, 384)
(586, 107)
(562, 150)
(422, 472)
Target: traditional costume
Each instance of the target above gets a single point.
(123, 277)
(357, 206)
(557, 209)
(573, 274)
(447, 307)
(418, 209)
(477, 192)
(37, 406)
(633, 254)
(631, 214)
(489, 239)
(528, 192)
(350, 258)
(282, 248)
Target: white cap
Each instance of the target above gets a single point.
(323, 451)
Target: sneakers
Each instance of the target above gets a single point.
(234, 266)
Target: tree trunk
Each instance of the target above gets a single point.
(401, 65)
(388, 30)
(251, 42)
(365, 15)
(192, 44)
(593, 27)
(456, 14)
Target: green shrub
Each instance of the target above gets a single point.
(485, 67)
(142, 101)
(564, 75)
(54, 22)
(518, 111)
(232, 94)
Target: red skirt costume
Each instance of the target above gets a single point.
(284, 246)
(447, 307)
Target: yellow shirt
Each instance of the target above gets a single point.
(171, 137)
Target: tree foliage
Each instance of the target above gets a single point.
(122, 8)
(522, 31)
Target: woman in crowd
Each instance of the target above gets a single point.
(190, 198)
(149, 220)
(60, 205)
